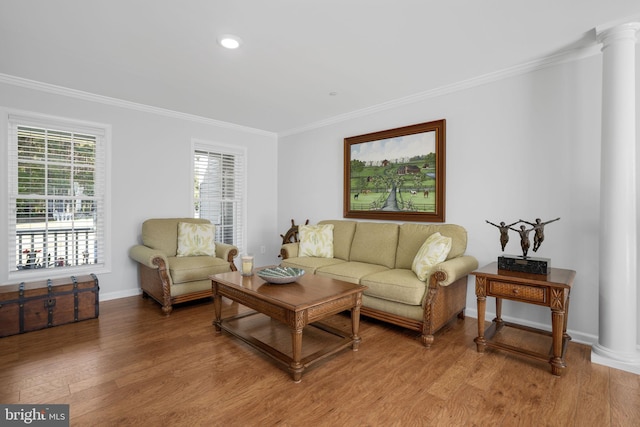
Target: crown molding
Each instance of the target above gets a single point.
(114, 102)
(527, 67)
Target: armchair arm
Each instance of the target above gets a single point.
(148, 257)
(289, 250)
(451, 270)
(227, 252)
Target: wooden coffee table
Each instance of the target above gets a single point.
(304, 302)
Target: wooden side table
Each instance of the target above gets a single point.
(551, 290)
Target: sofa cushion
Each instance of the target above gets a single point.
(412, 236)
(343, 232)
(316, 241)
(188, 269)
(415, 312)
(434, 250)
(310, 264)
(350, 271)
(161, 234)
(196, 239)
(375, 243)
(398, 285)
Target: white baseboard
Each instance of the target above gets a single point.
(120, 294)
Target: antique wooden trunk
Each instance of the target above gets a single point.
(42, 304)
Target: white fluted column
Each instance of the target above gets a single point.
(618, 316)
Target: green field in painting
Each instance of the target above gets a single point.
(370, 187)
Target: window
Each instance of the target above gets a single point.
(56, 195)
(219, 190)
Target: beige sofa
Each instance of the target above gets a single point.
(380, 256)
(170, 279)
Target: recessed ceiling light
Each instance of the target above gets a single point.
(229, 41)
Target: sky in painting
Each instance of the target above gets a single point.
(395, 148)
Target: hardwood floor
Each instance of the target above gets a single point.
(133, 366)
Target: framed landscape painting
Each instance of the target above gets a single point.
(396, 174)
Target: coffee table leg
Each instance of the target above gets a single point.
(217, 308)
(296, 367)
(355, 327)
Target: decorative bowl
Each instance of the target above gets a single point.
(280, 275)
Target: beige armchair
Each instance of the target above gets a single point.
(171, 279)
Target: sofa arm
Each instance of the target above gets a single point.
(227, 252)
(146, 256)
(289, 250)
(451, 270)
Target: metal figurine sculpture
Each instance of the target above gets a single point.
(524, 239)
(504, 232)
(538, 226)
(525, 243)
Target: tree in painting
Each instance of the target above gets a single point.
(404, 182)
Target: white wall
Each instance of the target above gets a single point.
(525, 146)
(151, 174)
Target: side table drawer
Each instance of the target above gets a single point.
(518, 292)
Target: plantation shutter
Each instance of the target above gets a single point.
(57, 190)
(219, 191)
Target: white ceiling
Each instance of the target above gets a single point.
(163, 53)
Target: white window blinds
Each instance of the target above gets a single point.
(219, 191)
(56, 195)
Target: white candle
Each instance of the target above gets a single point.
(247, 265)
